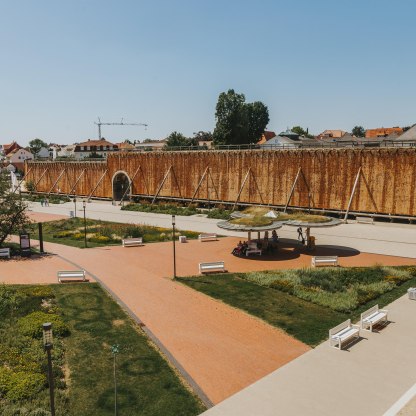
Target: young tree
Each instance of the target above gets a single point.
(302, 132)
(239, 122)
(35, 145)
(13, 216)
(358, 131)
(176, 139)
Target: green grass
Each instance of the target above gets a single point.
(102, 233)
(306, 321)
(83, 362)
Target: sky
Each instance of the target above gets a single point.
(321, 64)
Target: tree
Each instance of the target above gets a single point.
(176, 139)
(302, 132)
(35, 145)
(13, 218)
(201, 136)
(239, 122)
(358, 131)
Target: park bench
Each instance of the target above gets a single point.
(71, 275)
(253, 249)
(207, 237)
(364, 220)
(342, 333)
(5, 252)
(215, 266)
(324, 261)
(132, 242)
(412, 293)
(372, 317)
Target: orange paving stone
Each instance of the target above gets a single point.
(44, 216)
(223, 349)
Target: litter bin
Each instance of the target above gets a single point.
(182, 238)
(71, 214)
(412, 293)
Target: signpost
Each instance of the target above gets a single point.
(25, 245)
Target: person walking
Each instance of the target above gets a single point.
(41, 202)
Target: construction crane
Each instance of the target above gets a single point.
(122, 123)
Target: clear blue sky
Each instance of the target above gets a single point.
(321, 64)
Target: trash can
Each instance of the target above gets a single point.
(182, 238)
(412, 293)
(71, 214)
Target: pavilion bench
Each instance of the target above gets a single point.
(372, 317)
(253, 249)
(207, 237)
(412, 293)
(71, 275)
(342, 333)
(215, 266)
(5, 252)
(132, 242)
(364, 220)
(324, 261)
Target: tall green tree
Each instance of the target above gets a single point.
(35, 145)
(13, 216)
(358, 131)
(238, 122)
(302, 132)
(176, 139)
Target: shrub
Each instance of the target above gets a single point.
(31, 325)
(63, 234)
(5, 374)
(412, 271)
(100, 239)
(23, 385)
(78, 236)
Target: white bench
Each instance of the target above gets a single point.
(207, 237)
(74, 275)
(132, 242)
(252, 249)
(324, 261)
(372, 317)
(364, 220)
(215, 266)
(5, 252)
(412, 293)
(342, 333)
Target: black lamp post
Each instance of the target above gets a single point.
(84, 205)
(48, 344)
(75, 206)
(174, 247)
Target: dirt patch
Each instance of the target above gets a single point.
(118, 322)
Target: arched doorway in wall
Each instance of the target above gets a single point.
(120, 184)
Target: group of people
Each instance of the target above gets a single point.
(265, 245)
(44, 202)
(241, 249)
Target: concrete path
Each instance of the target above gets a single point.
(365, 380)
(380, 238)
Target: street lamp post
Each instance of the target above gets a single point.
(115, 350)
(174, 246)
(84, 205)
(48, 344)
(75, 206)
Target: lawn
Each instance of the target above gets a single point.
(86, 323)
(306, 303)
(101, 233)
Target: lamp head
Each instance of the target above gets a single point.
(173, 219)
(47, 335)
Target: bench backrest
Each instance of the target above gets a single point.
(326, 258)
(369, 312)
(340, 327)
(4, 250)
(71, 273)
(133, 240)
(210, 235)
(219, 264)
(252, 245)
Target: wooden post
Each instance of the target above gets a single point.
(293, 188)
(130, 183)
(241, 189)
(57, 180)
(352, 194)
(76, 183)
(199, 184)
(161, 184)
(37, 183)
(96, 186)
(21, 181)
(258, 189)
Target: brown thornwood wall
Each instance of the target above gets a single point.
(387, 184)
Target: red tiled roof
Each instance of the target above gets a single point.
(102, 142)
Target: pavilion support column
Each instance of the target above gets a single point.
(249, 236)
(258, 235)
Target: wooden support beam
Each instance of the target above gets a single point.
(21, 181)
(199, 184)
(161, 184)
(96, 186)
(258, 188)
(57, 180)
(177, 183)
(213, 184)
(76, 183)
(145, 181)
(37, 183)
(130, 184)
(241, 188)
(293, 189)
(352, 194)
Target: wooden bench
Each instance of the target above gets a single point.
(253, 249)
(342, 333)
(71, 275)
(324, 261)
(372, 317)
(132, 242)
(215, 266)
(207, 237)
(412, 293)
(5, 252)
(364, 220)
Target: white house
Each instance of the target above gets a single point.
(100, 147)
(17, 157)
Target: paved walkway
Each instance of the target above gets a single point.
(365, 380)
(381, 238)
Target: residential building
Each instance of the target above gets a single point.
(266, 136)
(409, 135)
(7, 148)
(100, 147)
(382, 132)
(331, 134)
(17, 157)
(126, 147)
(150, 145)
